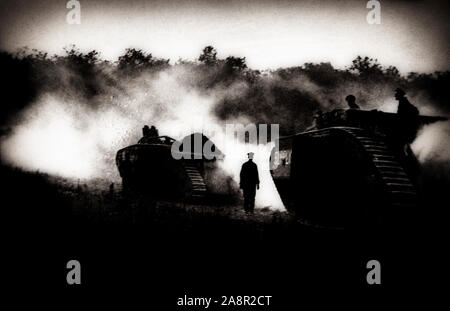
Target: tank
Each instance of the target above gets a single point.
(352, 168)
(149, 168)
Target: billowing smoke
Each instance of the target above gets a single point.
(66, 133)
(79, 111)
(432, 143)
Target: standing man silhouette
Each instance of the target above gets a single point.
(249, 182)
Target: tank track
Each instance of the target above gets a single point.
(400, 189)
(199, 190)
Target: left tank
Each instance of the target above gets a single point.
(149, 168)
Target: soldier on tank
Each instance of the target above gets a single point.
(409, 117)
(146, 131)
(153, 131)
(405, 108)
(351, 102)
(149, 134)
(249, 182)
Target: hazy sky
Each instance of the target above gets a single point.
(413, 35)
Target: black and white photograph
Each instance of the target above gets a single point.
(224, 155)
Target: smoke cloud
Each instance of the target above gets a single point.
(66, 133)
(84, 110)
(432, 143)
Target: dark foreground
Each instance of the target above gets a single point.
(158, 251)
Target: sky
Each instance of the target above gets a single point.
(270, 34)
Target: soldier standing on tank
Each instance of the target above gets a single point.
(249, 182)
(408, 114)
(405, 108)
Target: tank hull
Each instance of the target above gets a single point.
(151, 169)
(344, 177)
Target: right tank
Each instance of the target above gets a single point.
(353, 168)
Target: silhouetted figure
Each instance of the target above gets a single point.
(408, 114)
(405, 108)
(153, 132)
(149, 134)
(249, 182)
(351, 102)
(146, 131)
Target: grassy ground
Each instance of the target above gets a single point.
(181, 245)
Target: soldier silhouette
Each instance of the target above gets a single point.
(409, 121)
(153, 131)
(351, 102)
(149, 134)
(405, 108)
(249, 182)
(145, 131)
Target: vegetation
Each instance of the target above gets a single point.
(287, 96)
